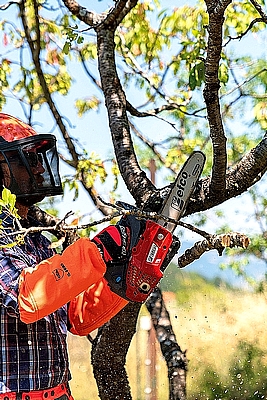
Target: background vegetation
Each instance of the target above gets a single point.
(223, 330)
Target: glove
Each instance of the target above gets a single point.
(136, 253)
(115, 244)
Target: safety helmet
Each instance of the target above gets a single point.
(21, 146)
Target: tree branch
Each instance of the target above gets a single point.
(239, 179)
(216, 242)
(8, 4)
(136, 180)
(90, 18)
(35, 52)
(211, 90)
(260, 10)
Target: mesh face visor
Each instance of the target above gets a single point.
(38, 163)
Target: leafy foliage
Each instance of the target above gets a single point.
(161, 55)
(8, 205)
(246, 379)
(8, 201)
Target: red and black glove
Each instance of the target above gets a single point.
(136, 253)
(115, 244)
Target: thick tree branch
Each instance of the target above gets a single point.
(136, 180)
(90, 18)
(211, 94)
(137, 183)
(119, 11)
(239, 179)
(112, 18)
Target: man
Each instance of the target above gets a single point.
(43, 294)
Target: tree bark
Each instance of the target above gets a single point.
(175, 358)
(109, 350)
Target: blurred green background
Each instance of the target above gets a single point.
(223, 329)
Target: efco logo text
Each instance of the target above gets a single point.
(177, 201)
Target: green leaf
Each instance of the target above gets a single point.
(66, 48)
(197, 75)
(80, 39)
(223, 73)
(8, 201)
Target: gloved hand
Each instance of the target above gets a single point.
(115, 244)
(134, 256)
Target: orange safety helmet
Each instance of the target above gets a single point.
(20, 145)
(12, 128)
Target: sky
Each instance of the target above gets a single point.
(92, 130)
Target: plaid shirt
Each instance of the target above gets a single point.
(33, 356)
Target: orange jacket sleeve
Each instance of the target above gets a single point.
(94, 307)
(58, 280)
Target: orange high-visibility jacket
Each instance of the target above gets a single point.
(74, 277)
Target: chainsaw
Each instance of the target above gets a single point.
(154, 249)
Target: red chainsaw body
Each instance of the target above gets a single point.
(143, 273)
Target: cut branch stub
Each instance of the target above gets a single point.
(219, 243)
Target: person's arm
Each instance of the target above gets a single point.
(54, 282)
(93, 308)
(97, 270)
(58, 280)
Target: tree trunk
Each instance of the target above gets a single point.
(175, 359)
(109, 350)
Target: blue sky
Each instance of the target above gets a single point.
(92, 129)
(93, 132)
